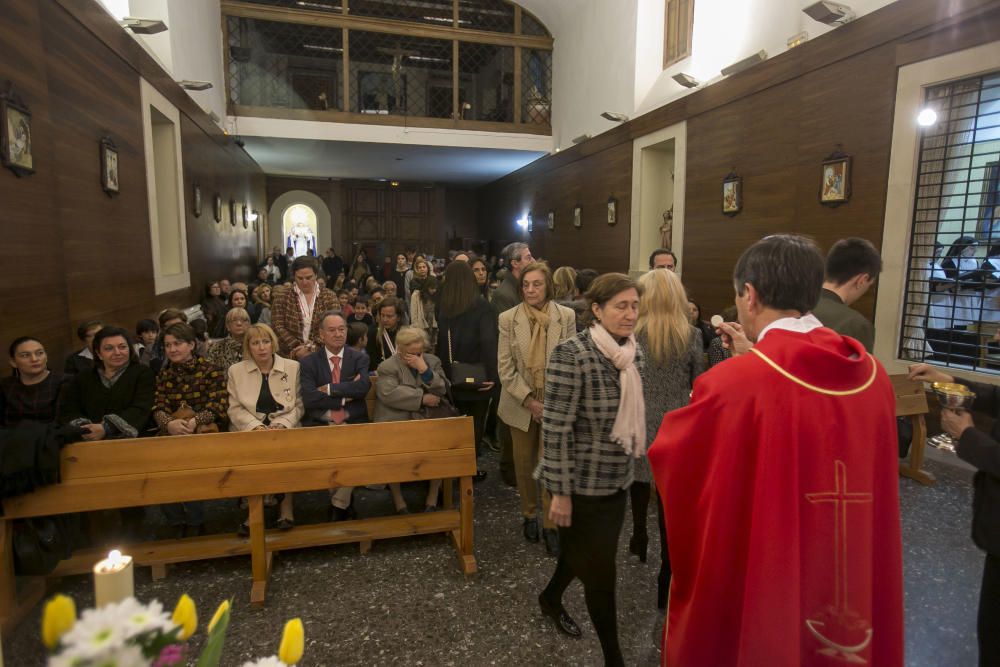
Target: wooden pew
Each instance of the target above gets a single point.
(151, 471)
(911, 401)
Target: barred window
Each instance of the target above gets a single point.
(951, 310)
(678, 24)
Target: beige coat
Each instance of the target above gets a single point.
(398, 393)
(244, 388)
(512, 357)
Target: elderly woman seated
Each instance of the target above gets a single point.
(264, 394)
(409, 381)
(229, 350)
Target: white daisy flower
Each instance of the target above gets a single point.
(270, 661)
(97, 631)
(118, 656)
(141, 618)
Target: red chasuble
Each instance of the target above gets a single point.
(779, 483)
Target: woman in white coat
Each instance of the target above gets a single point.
(528, 334)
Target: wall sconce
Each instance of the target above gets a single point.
(926, 117)
(188, 84)
(531, 224)
(746, 63)
(830, 13)
(522, 223)
(612, 210)
(143, 26)
(686, 80)
(614, 116)
(582, 138)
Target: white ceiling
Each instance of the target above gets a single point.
(398, 162)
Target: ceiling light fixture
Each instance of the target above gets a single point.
(320, 47)
(686, 80)
(830, 13)
(615, 116)
(143, 26)
(582, 138)
(746, 63)
(188, 84)
(428, 59)
(926, 117)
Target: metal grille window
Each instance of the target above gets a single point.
(284, 65)
(375, 61)
(536, 86)
(951, 311)
(400, 75)
(486, 82)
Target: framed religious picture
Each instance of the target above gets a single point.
(15, 135)
(835, 186)
(531, 224)
(217, 208)
(732, 194)
(246, 217)
(612, 210)
(109, 166)
(232, 212)
(577, 216)
(552, 220)
(196, 200)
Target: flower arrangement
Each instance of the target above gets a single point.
(132, 634)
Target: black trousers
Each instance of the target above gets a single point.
(587, 549)
(639, 493)
(988, 626)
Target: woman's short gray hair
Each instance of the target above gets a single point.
(409, 335)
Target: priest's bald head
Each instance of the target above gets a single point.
(779, 276)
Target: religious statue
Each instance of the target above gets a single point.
(667, 229)
(301, 240)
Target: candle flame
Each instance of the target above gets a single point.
(115, 558)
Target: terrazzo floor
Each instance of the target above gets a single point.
(406, 603)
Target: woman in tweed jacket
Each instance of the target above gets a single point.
(672, 348)
(592, 428)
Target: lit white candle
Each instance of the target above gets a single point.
(113, 579)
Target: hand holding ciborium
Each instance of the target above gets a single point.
(952, 396)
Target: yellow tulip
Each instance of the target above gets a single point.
(293, 642)
(185, 616)
(223, 608)
(59, 617)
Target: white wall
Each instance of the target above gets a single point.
(592, 67)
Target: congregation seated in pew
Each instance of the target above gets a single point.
(264, 393)
(410, 381)
(32, 391)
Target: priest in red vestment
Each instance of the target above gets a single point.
(779, 485)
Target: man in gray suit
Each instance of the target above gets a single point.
(506, 296)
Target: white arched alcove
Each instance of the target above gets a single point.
(288, 199)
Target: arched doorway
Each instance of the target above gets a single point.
(327, 233)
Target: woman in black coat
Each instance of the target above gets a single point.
(467, 333)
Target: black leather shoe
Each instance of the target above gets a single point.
(340, 514)
(479, 476)
(638, 546)
(530, 530)
(551, 541)
(564, 622)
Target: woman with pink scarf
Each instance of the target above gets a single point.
(593, 429)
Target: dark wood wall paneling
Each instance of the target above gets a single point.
(376, 214)
(72, 252)
(773, 124)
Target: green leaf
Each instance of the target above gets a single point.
(212, 653)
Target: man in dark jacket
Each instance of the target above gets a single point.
(982, 451)
(506, 296)
(852, 265)
(333, 266)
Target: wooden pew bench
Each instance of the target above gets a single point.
(911, 401)
(152, 471)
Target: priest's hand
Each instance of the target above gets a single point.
(561, 511)
(927, 373)
(955, 422)
(733, 338)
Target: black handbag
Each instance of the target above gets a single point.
(442, 410)
(464, 375)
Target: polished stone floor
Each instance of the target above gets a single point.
(406, 603)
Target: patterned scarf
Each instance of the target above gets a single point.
(538, 320)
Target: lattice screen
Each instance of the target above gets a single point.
(536, 86)
(400, 75)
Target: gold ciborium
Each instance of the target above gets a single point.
(954, 397)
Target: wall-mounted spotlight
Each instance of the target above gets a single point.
(830, 13)
(746, 63)
(797, 40)
(582, 138)
(926, 117)
(523, 223)
(143, 26)
(253, 216)
(615, 116)
(188, 84)
(686, 80)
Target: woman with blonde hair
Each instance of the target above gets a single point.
(564, 280)
(674, 358)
